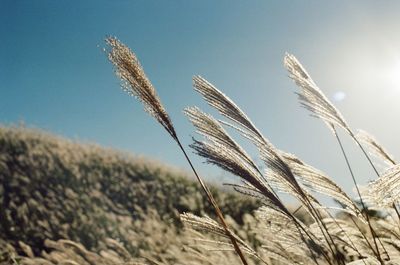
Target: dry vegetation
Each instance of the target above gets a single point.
(63, 203)
(329, 239)
(53, 189)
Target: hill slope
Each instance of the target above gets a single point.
(52, 188)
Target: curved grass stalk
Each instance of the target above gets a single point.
(269, 154)
(220, 149)
(136, 83)
(314, 100)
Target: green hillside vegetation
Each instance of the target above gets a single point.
(105, 206)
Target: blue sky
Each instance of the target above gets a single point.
(54, 75)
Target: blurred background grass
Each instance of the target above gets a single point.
(53, 188)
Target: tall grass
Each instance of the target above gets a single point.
(350, 237)
(53, 189)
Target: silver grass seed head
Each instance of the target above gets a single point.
(225, 106)
(385, 190)
(212, 129)
(135, 82)
(207, 224)
(312, 98)
(374, 147)
(315, 180)
(221, 150)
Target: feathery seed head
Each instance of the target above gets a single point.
(218, 100)
(374, 147)
(311, 97)
(136, 83)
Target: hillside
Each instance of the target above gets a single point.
(54, 189)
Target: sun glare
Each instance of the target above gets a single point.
(393, 75)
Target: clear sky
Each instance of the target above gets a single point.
(54, 75)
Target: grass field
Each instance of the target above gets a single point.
(69, 203)
(53, 189)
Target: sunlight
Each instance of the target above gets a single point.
(393, 74)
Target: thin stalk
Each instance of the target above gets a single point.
(377, 174)
(311, 237)
(397, 211)
(373, 166)
(322, 227)
(301, 228)
(359, 194)
(362, 234)
(215, 205)
(298, 225)
(261, 188)
(348, 237)
(308, 246)
(366, 155)
(340, 227)
(313, 211)
(330, 236)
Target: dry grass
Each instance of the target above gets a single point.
(55, 189)
(286, 239)
(363, 230)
